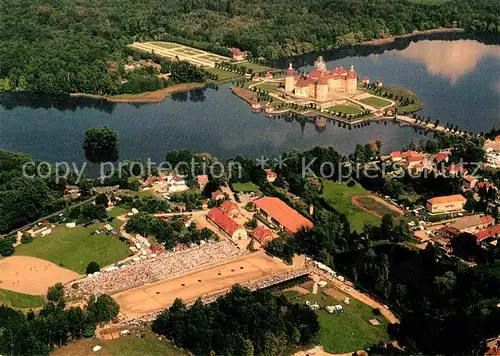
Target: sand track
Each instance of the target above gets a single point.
(203, 281)
(355, 200)
(31, 275)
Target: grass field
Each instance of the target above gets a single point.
(339, 195)
(75, 248)
(267, 86)
(245, 187)
(375, 102)
(254, 66)
(348, 331)
(20, 300)
(345, 109)
(223, 74)
(129, 345)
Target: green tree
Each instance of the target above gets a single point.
(55, 293)
(92, 267)
(6, 248)
(101, 145)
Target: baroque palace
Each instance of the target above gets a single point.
(320, 84)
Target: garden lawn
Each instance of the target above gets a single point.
(75, 248)
(254, 66)
(339, 195)
(345, 109)
(269, 86)
(348, 331)
(20, 300)
(375, 102)
(224, 75)
(245, 187)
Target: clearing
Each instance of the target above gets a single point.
(20, 300)
(245, 187)
(197, 283)
(339, 196)
(128, 345)
(348, 331)
(376, 206)
(375, 102)
(75, 248)
(31, 275)
(345, 109)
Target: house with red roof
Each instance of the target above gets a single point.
(235, 231)
(270, 175)
(237, 54)
(202, 181)
(281, 215)
(230, 208)
(490, 233)
(441, 156)
(217, 195)
(469, 182)
(396, 156)
(262, 235)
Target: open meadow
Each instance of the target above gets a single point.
(376, 206)
(345, 109)
(245, 187)
(20, 300)
(339, 196)
(343, 332)
(128, 345)
(75, 248)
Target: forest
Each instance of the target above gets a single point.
(240, 323)
(70, 46)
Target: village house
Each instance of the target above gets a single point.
(281, 215)
(176, 184)
(217, 195)
(235, 231)
(469, 182)
(472, 223)
(489, 235)
(237, 54)
(441, 157)
(202, 181)
(230, 208)
(446, 204)
(270, 175)
(262, 235)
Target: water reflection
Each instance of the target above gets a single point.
(450, 60)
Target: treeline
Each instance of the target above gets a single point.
(24, 199)
(68, 46)
(240, 323)
(38, 333)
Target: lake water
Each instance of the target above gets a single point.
(458, 81)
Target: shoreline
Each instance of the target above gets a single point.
(148, 97)
(391, 39)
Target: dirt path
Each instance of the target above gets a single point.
(203, 281)
(32, 275)
(356, 201)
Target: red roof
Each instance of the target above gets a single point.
(415, 159)
(482, 185)
(484, 234)
(469, 179)
(396, 154)
(216, 194)
(223, 221)
(203, 178)
(236, 51)
(323, 80)
(290, 219)
(262, 234)
(456, 168)
(407, 154)
(228, 206)
(302, 82)
(352, 74)
(366, 78)
(316, 74)
(441, 156)
(270, 173)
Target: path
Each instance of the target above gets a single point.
(358, 295)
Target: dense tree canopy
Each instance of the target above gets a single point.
(79, 46)
(101, 145)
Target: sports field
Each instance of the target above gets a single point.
(75, 248)
(339, 196)
(174, 51)
(375, 102)
(20, 300)
(194, 284)
(345, 109)
(348, 331)
(245, 187)
(376, 206)
(31, 275)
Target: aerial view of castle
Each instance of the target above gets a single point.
(321, 84)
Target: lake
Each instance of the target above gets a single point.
(458, 80)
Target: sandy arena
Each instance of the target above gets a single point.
(32, 275)
(152, 297)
